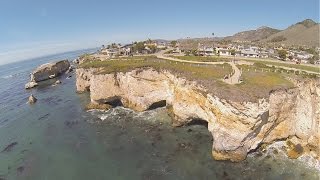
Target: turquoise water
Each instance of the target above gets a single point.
(56, 139)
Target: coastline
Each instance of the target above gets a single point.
(118, 82)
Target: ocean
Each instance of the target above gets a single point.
(56, 138)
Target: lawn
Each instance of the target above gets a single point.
(297, 66)
(255, 60)
(193, 71)
(202, 58)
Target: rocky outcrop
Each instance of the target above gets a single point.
(236, 128)
(47, 71)
(32, 99)
(30, 85)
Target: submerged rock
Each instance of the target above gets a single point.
(98, 106)
(32, 99)
(56, 83)
(20, 169)
(9, 147)
(48, 71)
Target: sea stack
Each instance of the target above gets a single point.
(47, 71)
(32, 99)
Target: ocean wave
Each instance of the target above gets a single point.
(7, 76)
(11, 75)
(119, 112)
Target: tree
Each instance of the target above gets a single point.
(282, 54)
(138, 47)
(313, 59)
(173, 43)
(233, 53)
(194, 52)
(149, 41)
(152, 48)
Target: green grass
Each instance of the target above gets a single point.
(297, 66)
(255, 60)
(255, 85)
(189, 70)
(202, 58)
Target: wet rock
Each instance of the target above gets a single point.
(9, 147)
(295, 151)
(47, 71)
(70, 124)
(189, 130)
(69, 70)
(30, 85)
(58, 82)
(98, 106)
(20, 169)
(32, 99)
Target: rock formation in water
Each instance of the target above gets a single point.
(47, 71)
(237, 128)
(32, 99)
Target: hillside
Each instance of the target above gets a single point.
(253, 35)
(302, 33)
(192, 43)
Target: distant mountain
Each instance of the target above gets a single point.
(302, 33)
(253, 35)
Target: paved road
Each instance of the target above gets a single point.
(233, 78)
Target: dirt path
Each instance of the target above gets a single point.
(233, 78)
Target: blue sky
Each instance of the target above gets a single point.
(31, 28)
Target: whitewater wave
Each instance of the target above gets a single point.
(11, 75)
(7, 76)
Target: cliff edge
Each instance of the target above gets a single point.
(288, 115)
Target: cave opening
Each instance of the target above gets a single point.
(158, 104)
(198, 121)
(114, 101)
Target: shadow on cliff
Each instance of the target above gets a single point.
(158, 104)
(198, 121)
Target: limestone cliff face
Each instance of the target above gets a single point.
(237, 128)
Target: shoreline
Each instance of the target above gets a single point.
(161, 85)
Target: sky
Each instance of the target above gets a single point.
(34, 28)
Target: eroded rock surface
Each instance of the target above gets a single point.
(237, 128)
(47, 71)
(32, 99)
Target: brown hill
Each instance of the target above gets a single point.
(253, 35)
(303, 33)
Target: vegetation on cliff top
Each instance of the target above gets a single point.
(256, 84)
(194, 71)
(255, 60)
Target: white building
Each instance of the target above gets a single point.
(206, 51)
(223, 51)
(110, 52)
(249, 53)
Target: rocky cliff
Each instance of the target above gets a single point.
(237, 128)
(47, 71)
